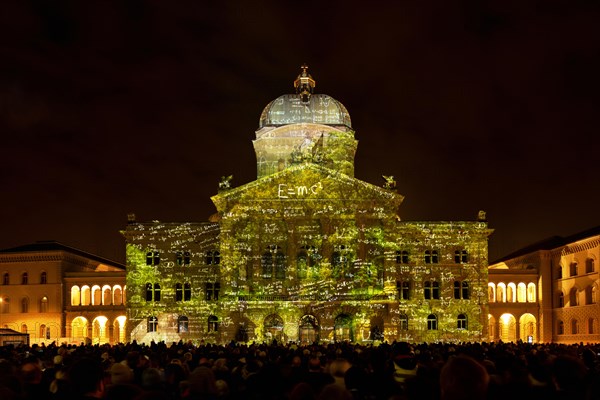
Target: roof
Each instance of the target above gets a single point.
(551, 243)
(52, 245)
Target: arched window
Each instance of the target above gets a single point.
(342, 326)
(187, 291)
(501, 292)
(213, 323)
(183, 258)
(531, 297)
(573, 269)
(117, 295)
(279, 265)
(23, 328)
(152, 324)
(521, 292)
(75, 296)
(96, 295)
(403, 288)
(560, 327)
(403, 322)
(86, 296)
(590, 292)
(592, 326)
(561, 299)
(24, 278)
(6, 278)
(44, 304)
(157, 292)
(107, 295)
(573, 298)
(461, 321)
(149, 292)
(178, 292)
(43, 278)
(491, 292)
(574, 327)
(24, 305)
(432, 322)
(589, 266)
(308, 329)
(511, 292)
(182, 324)
(266, 263)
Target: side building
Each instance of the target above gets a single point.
(58, 293)
(547, 292)
(307, 252)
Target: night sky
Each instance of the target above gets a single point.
(113, 107)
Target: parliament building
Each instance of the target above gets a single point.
(307, 252)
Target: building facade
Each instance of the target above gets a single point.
(547, 292)
(306, 251)
(57, 293)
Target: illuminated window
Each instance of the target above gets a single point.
(431, 290)
(491, 292)
(182, 324)
(431, 257)
(152, 324)
(343, 328)
(152, 258)
(432, 322)
(531, 292)
(44, 304)
(187, 291)
(403, 322)
(560, 327)
(402, 257)
(461, 321)
(24, 278)
(24, 305)
(6, 279)
(213, 323)
(589, 266)
(178, 292)
(213, 257)
(461, 290)
(461, 256)
(43, 278)
(212, 291)
(403, 288)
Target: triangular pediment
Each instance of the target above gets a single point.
(309, 185)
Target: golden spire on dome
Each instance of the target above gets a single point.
(304, 84)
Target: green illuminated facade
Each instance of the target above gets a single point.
(307, 252)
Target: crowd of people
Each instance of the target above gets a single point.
(390, 371)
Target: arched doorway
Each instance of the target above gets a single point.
(79, 330)
(308, 330)
(342, 328)
(273, 328)
(491, 327)
(528, 328)
(119, 331)
(100, 330)
(508, 328)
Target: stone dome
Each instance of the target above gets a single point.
(317, 109)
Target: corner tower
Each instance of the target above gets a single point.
(304, 127)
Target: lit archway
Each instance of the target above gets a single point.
(308, 329)
(273, 328)
(531, 296)
(501, 292)
(100, 330)
(119, 329)
(491, 292)
(521, 292)
(86, 296)
(511, 292)
(491, 327)
(79, 329)
(96, 295)
(528, 327)
(117, 295)
(106, 295)
(75, 296)
(508, 328)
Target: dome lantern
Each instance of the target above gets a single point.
(305, 84)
